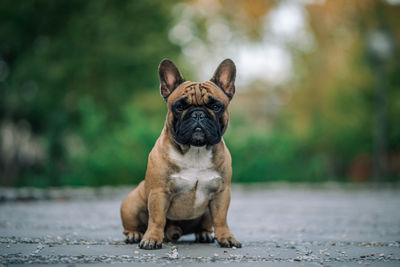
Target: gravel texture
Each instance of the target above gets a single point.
(278, 225)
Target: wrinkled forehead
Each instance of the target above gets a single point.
(198, 93)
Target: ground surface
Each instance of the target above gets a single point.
(279, 225)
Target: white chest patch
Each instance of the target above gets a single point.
(198, 158)
(196, 177)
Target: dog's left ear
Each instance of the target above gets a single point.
(170, 77)
(225, 76)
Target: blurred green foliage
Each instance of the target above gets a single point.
(79, 78)
(73, 70)
(341, 120)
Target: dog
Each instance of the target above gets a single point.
(187, 183)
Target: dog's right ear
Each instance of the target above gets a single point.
(170, 77)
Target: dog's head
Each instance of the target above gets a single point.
(197, 112)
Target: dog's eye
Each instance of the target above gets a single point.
(215, 107)
(180, 107)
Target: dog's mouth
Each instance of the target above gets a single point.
(198, 137)
(197, 131)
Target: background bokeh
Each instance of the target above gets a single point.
(318, 86)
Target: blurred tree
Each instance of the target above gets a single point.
(56, 57)
(341, 105)
(79, 102)
(346, 118)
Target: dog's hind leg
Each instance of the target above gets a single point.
(134, 215)
(204, 230)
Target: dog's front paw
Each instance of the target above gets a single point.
(132, 236)
(204, 237)
(150, 242)
(228, 242)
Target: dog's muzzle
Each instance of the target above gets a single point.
(198, 134)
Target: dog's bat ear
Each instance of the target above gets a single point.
(170, 77)
(224, 77)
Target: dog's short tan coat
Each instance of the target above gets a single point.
(186, 188)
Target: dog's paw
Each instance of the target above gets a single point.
(228, 242)
(204, 237)
(132, 236)
(150, 243)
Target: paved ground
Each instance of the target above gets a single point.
(279, 225)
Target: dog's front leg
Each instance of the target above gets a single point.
(157, 206)
(219, 211)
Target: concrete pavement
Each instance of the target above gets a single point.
(278, 224)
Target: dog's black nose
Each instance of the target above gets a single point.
(198, 114)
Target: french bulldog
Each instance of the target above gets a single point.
(187, 184)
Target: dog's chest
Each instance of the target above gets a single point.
(195, 183)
